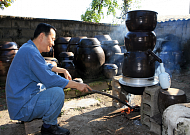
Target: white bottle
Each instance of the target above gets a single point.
(164, 78)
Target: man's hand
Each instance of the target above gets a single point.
(79, 86)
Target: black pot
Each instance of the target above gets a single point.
(89, 58)
(110, 70)
(7, 52)
(141, 20)
(69, 65)
(110, 47)
(138, 65)
(140, 41)
(73, 43)
(51, 60)
(66, 56)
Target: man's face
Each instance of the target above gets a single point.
(48, 41)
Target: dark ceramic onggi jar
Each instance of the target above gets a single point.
(73, 43)
(141, 20)
(61, 44)
(140, 41)
(110, 47)
(89, 58)
(7, 52)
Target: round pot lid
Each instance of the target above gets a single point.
(8, 45)
(76, 40)
(110, 66)
(110, 42)
(89, 42)
(62, 40)
(103, 37)
(66, 54)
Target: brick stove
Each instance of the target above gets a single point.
(150, 115)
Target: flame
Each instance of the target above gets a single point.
(127, 110)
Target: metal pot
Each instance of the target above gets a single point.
(141, 20)
(140, 41)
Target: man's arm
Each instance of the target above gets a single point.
(62, 70)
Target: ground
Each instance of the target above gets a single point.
(94, 118)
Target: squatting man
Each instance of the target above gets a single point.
(33, 89)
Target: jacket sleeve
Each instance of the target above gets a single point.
(42, 72)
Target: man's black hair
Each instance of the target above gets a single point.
(43, 28)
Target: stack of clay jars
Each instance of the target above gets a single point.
(139, 42)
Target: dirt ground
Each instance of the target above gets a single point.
(94, 119)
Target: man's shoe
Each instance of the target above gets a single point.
(54, 130)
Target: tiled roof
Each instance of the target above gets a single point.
(165, 18)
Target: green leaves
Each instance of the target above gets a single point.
(100, 8)
(5, 3)
(95, 12)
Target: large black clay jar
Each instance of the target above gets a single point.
(110, 47)
(140, 41)
(138, 65)
(89, 58)
(141, 20)
(7, 52)
(73, 43)
(61, 44)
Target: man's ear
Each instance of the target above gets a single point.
(41, 36)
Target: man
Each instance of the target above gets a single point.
(33, 89)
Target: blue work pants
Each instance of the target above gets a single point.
(46, 105)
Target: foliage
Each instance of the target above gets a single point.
(5, 3)
(96, 12)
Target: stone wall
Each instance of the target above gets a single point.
(21, 29)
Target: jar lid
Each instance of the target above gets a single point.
(8, 45)
(110, 66)
(66, 54)
(76, 40)
(103, 37)
(110, 42)
(89, 42)
(62, 40)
